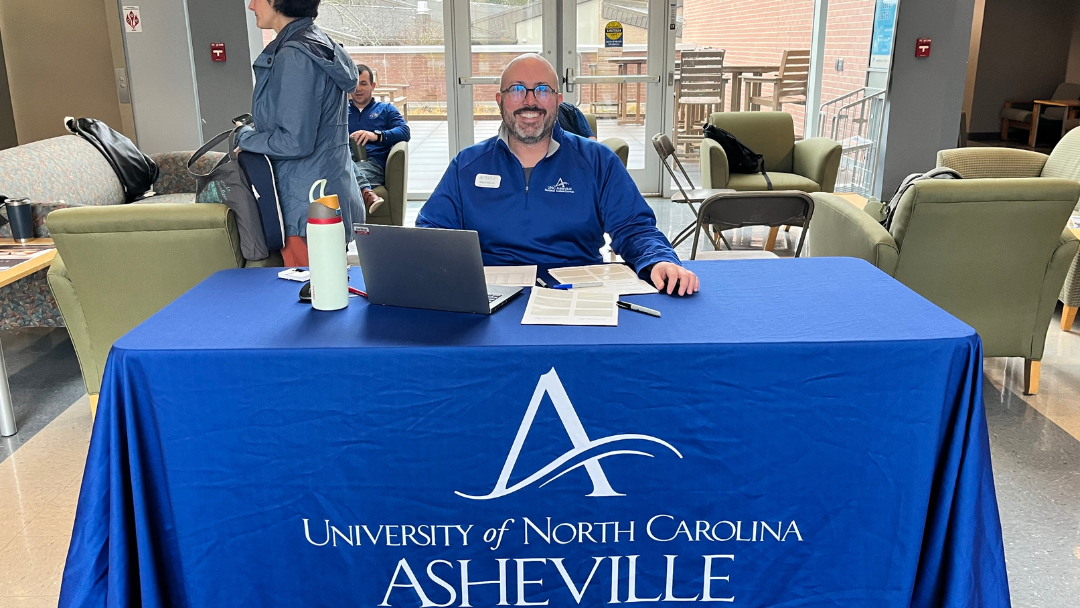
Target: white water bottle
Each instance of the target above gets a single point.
(326, 250)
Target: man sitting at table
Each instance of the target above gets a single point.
(377, 126)
(580, 192)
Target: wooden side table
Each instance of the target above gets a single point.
(1072, 110)
(7, 277)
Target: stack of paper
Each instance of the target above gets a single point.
(617, 279)
(571, 307)
(510, 276)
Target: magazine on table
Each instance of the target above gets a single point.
(13, 254)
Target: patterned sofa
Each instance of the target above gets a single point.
(64, 172)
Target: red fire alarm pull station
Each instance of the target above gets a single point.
(922, 47)
(217, 51)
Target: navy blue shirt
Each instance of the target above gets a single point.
(379, 116)
(573, 196)
(579, 125)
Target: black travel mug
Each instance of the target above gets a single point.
(21, 215)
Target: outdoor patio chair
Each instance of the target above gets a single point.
(700, 90)
(741, 209)
(788, 85)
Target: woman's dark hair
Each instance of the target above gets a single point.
(297, 9)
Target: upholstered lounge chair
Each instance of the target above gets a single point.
(993, 252)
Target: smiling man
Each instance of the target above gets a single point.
(538, 195)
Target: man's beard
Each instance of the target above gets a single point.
(532, 135)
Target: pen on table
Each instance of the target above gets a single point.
(636, 308)
(541, 282)
(362, 294)
(578, 285)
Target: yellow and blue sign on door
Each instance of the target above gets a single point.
(613, 35)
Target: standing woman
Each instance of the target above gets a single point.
(301, 116)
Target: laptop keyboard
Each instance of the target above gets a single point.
(492, 297)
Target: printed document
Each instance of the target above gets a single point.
(510, 276)
(571, 307)
(617, 278)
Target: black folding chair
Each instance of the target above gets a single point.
(772, 208)
(664, 148)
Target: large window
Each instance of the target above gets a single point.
(403, 42)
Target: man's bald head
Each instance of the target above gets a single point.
(529, 118)
(529, 69)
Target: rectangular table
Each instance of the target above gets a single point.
(802, 432)
(8, 427)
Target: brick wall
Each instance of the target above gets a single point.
(758, 31)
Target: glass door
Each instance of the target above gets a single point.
(613, 56)
(612, 74)
(484, 36)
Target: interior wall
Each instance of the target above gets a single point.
(973, 58)
(163, 88)
(1072, 70)
(59, 64)
(926, 95)
(1023, 55)
(119, 64)
(224, 88)
(9, 137)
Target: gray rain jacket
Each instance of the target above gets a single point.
(301, 114)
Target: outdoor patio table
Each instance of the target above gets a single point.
(624, 103)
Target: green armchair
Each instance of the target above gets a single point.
(1063, 162)
(994, 253)
(618, 145)
(116, 265)
(396, 189)
(809, 165)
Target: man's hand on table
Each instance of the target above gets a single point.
(666, 275)
(362, 138)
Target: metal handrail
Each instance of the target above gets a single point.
(855, 120)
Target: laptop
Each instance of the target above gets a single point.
(427, 268)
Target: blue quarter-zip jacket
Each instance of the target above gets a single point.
(301, 121)
(379, 116)
(574, 196)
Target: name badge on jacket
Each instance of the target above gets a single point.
(483, 180)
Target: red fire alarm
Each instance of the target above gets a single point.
(217, 51)
(922, 47)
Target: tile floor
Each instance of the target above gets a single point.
(1035, 445)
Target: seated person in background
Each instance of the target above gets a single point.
(573, 121)
(580, 191)
(377, 126)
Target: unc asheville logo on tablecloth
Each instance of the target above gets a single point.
(561, 187)
(585, 452)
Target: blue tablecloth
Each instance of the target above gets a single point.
(800, 433)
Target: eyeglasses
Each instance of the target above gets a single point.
(541, 92)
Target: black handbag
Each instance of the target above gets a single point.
(228, 184)
(741, 159)
(137, 172)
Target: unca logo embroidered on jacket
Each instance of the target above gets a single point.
(560, 186)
